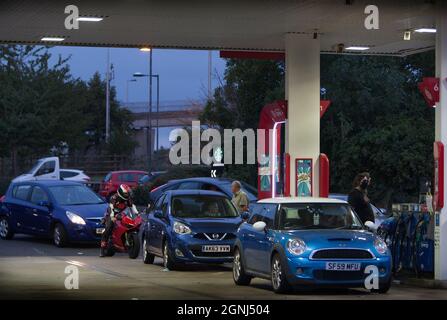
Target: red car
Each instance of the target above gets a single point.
(113, 180)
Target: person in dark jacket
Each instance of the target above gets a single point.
(358, 197)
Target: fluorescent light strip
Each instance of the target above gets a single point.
(90, 19)
(426, 30)
(355, 48)
(52, 39)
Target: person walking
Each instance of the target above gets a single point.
(358, 197)
(240, 198)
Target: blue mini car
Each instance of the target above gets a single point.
(62, 210)
(300, 242)
(191, 226)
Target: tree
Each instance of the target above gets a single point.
(38, 102)
(378, 122)
(42, 106)
(249, 86)
(121, 134)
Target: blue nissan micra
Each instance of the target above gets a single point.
(190, 226)
(299, 242)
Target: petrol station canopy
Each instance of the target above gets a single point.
(223, 25)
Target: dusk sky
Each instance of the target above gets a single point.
(183, 73)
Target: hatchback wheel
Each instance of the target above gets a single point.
(384, 288)
(279, 281)
(168, 262)
(5, 230)
(60, 237)
(239, 275)
(148, 258)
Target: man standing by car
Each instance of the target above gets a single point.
(358, 197)
(240, 198)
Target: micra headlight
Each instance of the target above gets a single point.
(74, 218)
(380, 246)
(296, 246)
(181, 228)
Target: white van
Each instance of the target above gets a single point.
(44, 169)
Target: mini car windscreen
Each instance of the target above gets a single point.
(300, 216)
(74, 195)
(202, 207)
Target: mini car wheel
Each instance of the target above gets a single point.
(148, 258)
(384, 288)
(239, 275)
(279, 281)
(60, 237)
(168, 262)
(5, 230)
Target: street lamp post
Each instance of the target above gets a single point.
(150, 76)
(149, 132)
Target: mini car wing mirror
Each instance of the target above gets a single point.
(370, 225)
(259, 226)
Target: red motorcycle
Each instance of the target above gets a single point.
(125, 234)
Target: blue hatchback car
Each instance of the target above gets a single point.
(309, 242)
(62, 210)
(191, 226)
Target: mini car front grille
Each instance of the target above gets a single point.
(341, 254)
(328, 275)
(214, 236)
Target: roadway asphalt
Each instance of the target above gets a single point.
(33, 268)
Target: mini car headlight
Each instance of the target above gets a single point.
(181, 228)
(296, 246)
(380, 246)
(75, 218)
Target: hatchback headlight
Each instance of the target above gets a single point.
(75, 218)
(181, 228)
(380, 246)
(296, 246)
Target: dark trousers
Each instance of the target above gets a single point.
(108, 229)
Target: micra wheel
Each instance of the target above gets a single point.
(148, 258)
(60, 237)
(134, 246)
(383, 288)
(279, 281)
(168, 262)
(5, 229)
(239, 276)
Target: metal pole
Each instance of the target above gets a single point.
(108, 97)
(158, 107)
(149, 129)
(210, 67)
(127, 93)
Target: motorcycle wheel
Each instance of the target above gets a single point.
(134, 246)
